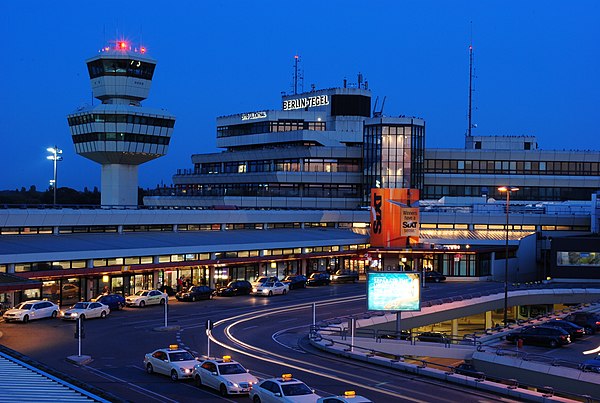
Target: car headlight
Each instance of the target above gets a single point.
(265, 291)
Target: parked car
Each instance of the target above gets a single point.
(196, 293)
(341, 276)
(433, 337)
(404, 335)
(270, 288)
(30, 310)
(297, 281)
(541, 335)
(173, 361)
(284, 389)
(168, 290)
(591, 365)
(434, 277)
(590, 321)
(114, 301)
(147, 297)
(318, 279)
(237, 287)
(575, 331)
(86, 310)
(467, 369)
(264, 279)
(227, 376)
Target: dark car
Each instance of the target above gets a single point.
(196, 293)
(318, 279)
(468, 370)
(433, 337)
(575, 331)
(167, 290)
(237, 287)
(591, 365)
(434, 277)
(341, 276)
(541, 335)
(404, 335)
(590, 321)
(114, 301)
(297, 281)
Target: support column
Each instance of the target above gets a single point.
(489, 323)
(211, 276)
(454, 327)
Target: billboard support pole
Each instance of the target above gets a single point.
(314, 314)
(398, 318)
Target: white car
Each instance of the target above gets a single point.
(284, 389)
(173, 361)
(30, 310)
(225, 375)
(349, 397)
(86, 310)
(270, 288)
(147, 297)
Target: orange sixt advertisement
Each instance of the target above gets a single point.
(394, 220)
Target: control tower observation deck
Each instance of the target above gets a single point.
(120, 133)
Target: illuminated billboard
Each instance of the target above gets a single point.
(393, 291)
(394, 223)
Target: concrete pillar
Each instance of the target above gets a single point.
(454, 327)
(488, 320)
(119, 185)
(211, 276)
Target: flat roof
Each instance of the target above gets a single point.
(48, 247)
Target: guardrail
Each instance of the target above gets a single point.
(317, 335)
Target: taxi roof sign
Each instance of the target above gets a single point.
(286, 377)
(226, 358)
(349, 393)
(173, 347)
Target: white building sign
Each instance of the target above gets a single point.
(308, 102)
(254, 115)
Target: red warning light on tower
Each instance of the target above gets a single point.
(122, 45)
(143, 49)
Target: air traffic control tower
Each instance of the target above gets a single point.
(120, 133)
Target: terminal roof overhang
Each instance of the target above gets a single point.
(27, 248)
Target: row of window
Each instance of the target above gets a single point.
(121, 118)
(292, 165)
(121, 67)
(125, 137)
(271, 190)
(524, 193)
(568, 168)
(188, 257)
(268, 127)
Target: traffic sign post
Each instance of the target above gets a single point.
(79, 332)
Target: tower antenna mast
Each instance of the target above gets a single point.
(296, 73)
(470, 111)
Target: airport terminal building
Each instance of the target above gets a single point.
(289, 194)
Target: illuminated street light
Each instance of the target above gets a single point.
(508, 190)
(55, 157)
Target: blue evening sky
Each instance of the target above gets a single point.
(537, 65)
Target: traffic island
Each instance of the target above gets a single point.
(79, 359)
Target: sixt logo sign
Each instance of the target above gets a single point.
(376, 213)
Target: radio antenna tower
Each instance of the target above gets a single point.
(470, 111)
(298, 76)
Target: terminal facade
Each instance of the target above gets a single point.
(290, 194)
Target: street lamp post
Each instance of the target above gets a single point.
(55, 157)
(508, 190)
